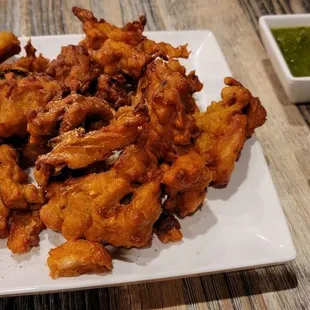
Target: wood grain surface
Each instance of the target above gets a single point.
(285, 140)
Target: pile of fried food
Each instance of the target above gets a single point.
(118, 143)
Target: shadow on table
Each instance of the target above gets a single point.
(211, 288)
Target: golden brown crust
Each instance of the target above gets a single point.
(25, 227)
(60, 116)
(166, 92)
(9, 45)
(27, 64)
(77, 149)
(186, 182)
(107, 216)
(15, 190)
(74, 258)
(168, 228)
(22, 96)
(74, 68)
(224, 128)
(4, 220)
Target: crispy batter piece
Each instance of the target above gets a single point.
(114, 89)
(74, 68)
(186, 181)
(122, 214)
(25, 228)
(97, 32)
(168, 228)
(60, 116)
(26, 64)
(122, 50)
(9, 45)
(165, 90)
(22, 96)
(15, 190)
(77, 149)
(152, 48)
(4, 220)
(118, 57)
(74, 258)
(224, 128)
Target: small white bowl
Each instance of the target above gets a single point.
(296, 88)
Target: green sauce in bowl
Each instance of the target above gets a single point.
(294, 44)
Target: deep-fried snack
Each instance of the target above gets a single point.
(22, 96)
(119, 57)
(166, 92)
(28, 63)
(255, 112)
(97, 32)
(80, 208)
(78, 257)
(4, 220)
(25, 227)
(15, 190)
(60, 116)
(74, 68)
(124, 147)
(122, 50)
(151, 47)
(77, 149)
(224, 128)
(168, 228)
(186, 182)
(114, 89)
(9, 45)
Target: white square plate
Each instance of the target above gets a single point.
(239, 227)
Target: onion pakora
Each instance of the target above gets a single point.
(9, 45)
(119, 145)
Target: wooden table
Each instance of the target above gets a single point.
(284, 138)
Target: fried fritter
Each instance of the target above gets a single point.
(97, 32)
(119, 57)
(122, 50)
(114, 89)
(28, 63)
(255, 112)
(78, 257)
(186, 182)
(166, 92)
(67, 114)
(25, 65)
(77, 149)
(122, 214)
(224, 128)
(15, 190)
(74, 68)
(4, 220)
(9, 45)
(22, 96)
(152, 48)
(168, 228)
(25, 228)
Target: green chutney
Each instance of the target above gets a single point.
(294, 44)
